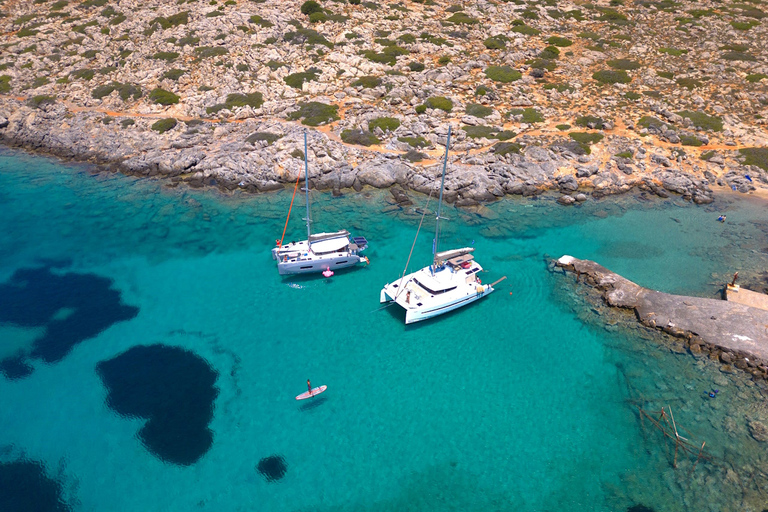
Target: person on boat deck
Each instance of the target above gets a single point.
(408, 297)
(309, 387)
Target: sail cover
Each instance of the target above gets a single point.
(330, 244)
(453, 253)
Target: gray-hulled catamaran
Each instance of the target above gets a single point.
(450, 282)
(321, 252)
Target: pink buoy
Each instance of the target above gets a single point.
(327, 272)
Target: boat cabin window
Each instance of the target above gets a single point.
(434, 292)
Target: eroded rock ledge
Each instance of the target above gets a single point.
(731, 333)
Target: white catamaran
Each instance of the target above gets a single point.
(321, 252)
(450, 282)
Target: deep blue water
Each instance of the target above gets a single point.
(150, 354)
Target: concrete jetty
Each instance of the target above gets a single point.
(735, 334)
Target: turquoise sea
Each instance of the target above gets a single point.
(151, 355)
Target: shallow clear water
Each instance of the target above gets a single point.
(521, 401)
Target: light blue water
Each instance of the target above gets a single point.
(513, 403)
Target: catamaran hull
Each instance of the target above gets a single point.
(417, 315)
(318, 265)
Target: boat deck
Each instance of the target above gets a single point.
(746, 297)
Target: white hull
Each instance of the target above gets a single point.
(425, 295)
(300, 258)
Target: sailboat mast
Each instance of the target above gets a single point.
(306, 182)
(440, 201)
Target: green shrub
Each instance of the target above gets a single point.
(127, 90)
(673, 51)
(416, 142)
(367, 82)
(102, 90)
(296, 80)
(504, 74)
(610, 76)
(204, 52)
(163, 125)
(549, 53)
(125, 123)
(688, 83)
(744, 25)
(755, 156)
(563, 127)
(586, 139)
(444, 60)
(387, 124)
(562, 42)
(310, 6)
(253, 100)
(504, 148)
(439, 102)
(624, 64)
(461, 18)
(40, 101)
(477, 110)
(414, 156)
(689, 140)
(549, 65)
(633, 96)
(756, 77)
(528, 115)
(420, 109)
(315, 113)
(318, 17)
(652, 122)
(163, 97)
(242, 67)
(666, 74)
(526, 30)
(117, 19)
(26, 32)
(188, 40)
(612, 16)
(5, 84)
(166, 56)
(85, 73)
(258, 20)
(359, 137)
(407, 38)
(307, 36)
(482, 90)
(180, 18)
(259, 136)
(416, 66)
(595, 122)
(498, 42)
(703, 121)
(89, 54)
(738, 56)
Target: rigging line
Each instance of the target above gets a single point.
(423, 214)
(295, 188)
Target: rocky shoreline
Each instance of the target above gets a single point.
(221, 155)
(584, 99)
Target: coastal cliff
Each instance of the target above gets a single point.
(586, 99)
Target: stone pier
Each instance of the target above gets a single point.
(733, 333)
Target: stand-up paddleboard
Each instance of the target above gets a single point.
(309, 394)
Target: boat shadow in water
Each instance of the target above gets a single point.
(313, 403)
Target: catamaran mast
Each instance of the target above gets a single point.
(440, 203)
(306, 183)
